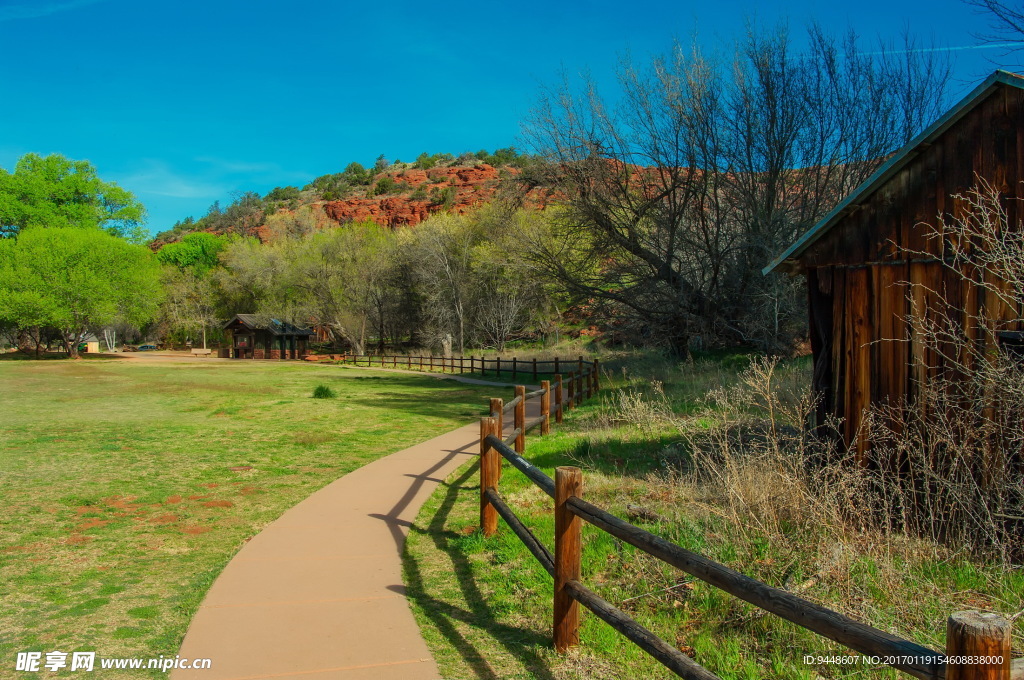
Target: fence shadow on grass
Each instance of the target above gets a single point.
(518, 642)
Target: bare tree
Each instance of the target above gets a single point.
(679, 192)
(1006, 24)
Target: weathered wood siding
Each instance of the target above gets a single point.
(862, 272)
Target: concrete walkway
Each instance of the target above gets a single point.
(318, 594)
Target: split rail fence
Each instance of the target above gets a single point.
(978, 645)
(513, 367)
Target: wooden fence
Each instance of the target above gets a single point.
(977, 644)
(513, 367)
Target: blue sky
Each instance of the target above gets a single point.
(185, 103)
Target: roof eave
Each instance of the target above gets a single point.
(789, 259)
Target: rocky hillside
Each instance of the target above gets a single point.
(397, 195)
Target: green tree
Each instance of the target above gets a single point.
(198, 252)
(54, 191)
(76, 280)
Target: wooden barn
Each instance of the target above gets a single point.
(253, 338)
(869, 263)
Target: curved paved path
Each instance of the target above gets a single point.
(318, 593)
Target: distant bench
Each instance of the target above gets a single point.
(199, 352)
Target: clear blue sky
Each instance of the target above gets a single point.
(186, 102)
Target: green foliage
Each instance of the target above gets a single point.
(76, 279)
(424, 161)
(444, 197)
(324, 392)
(420, 194)
(198, 251)
(385, 185)
(57, 192)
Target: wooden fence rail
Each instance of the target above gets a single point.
(977, 644)
(462, 364)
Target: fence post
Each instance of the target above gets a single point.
(514, 367)
(497, 412)
(558, 398)
(978, 634)
(535, 368)
(571, 401)
(568, 483)
(545, 407)
(520, 418)
(488, 478)
(597, 377)
(421, 362)
(556, 365)
(497, 365)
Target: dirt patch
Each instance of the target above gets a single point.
(249, 490)
(77, 539)
(164, 519)
(198, 498)
(211, 485)
(92, 523)
(173, 500)
(194, 530)
(218, 504)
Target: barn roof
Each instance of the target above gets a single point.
(257, 323)
(899, 160)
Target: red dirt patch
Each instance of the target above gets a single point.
(249, 490)
(92, 523)
(218, 504)
(173, 500)
(211, 485)
(164, 519)
(195, 530)
(78, 539)
(198, 498)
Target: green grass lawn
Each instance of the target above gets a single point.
(484, 605)
(127, 486)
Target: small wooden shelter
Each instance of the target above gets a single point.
(251, 337)
(869, 263)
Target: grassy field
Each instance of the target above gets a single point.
(128, 485)
(485, 604)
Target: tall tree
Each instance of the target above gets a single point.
(684, 185)
(54, 191)
(76, 280)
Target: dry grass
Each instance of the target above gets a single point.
(729, 474)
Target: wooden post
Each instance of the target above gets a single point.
(421, 362)
(497, 365)
(488, 477)
(978, 634)
(571, 401)
(597, 377)
(514, 367)
(520, 418)
(545, 406)
(497, 412)
(568, 547)
(483, 365)
(535, 368)
(556, 365)
(558, 397)
(431, 363)
(579, 381)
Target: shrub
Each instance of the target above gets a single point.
(323, 392)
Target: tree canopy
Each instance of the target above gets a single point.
(76, 280)
(54, 191)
